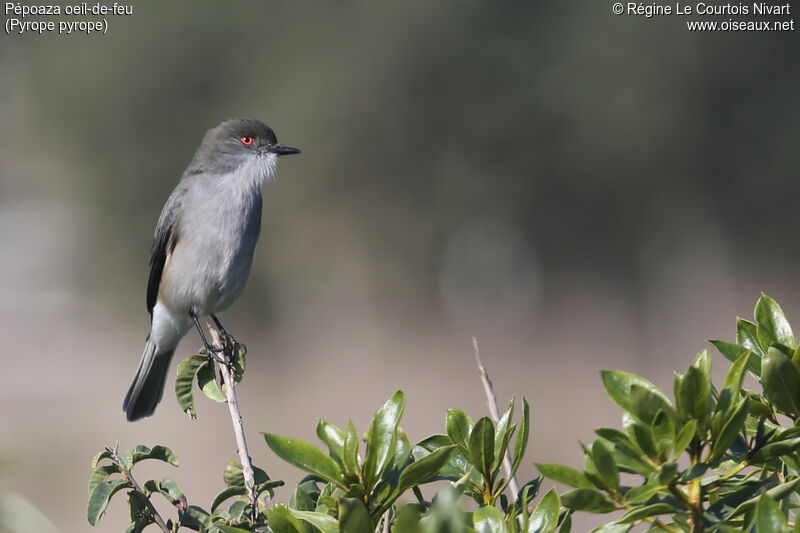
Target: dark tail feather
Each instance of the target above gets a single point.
(148, 385)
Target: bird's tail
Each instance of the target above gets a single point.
(148, 385)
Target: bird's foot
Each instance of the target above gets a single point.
(224, 337)
(218, 355)
(227, 340)
(227, 344)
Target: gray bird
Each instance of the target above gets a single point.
(203, 245)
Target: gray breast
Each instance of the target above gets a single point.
(219, 231)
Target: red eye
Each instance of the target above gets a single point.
(246, 140)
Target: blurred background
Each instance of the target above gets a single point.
(578, 190)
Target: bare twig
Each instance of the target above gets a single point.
(387, 520)
(127, 473)
(236, 418)
(491, 401)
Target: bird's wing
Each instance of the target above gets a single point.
(164, 241)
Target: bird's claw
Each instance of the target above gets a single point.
(217, 355)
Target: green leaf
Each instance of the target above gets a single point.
(545, 516)
(685, 436)
(445, 515)
(407, 518)
(669, 472)
(459, 426)
(237, 511)
(693, 472)
(620, 387)
(566, 523)
(759, 406)
(502, 436)
(334, 438)
(139, 512)
(703, 363)
(695, 391)
(350, 450)
(769, 517)
(423, 470)
(230, 529)
(457, 469)
(564, 474)
(632, 460)
(161, 453)
(100, 474)
(381, 438)
(730, 430)
(306, 457)
(481, 447)
(281, 519)
(587, 500)
(639, 513)
(194, 516)
(522, 437)
(168, 488)
(781, 381)
(776, 449)
(747, 336)
(233, 475)
(125, 459)
(488, 519)
(402, 454)
(796, 357)
(353, 516)
(663, 434)
(519, 446)
(616, 436)
(184, 381)
(526, 495)
(606, 467)
(772, 323)
(324, 522)
(642, 493)
(733, 381)
(102, 493)
(613, 528)
(732, 352)
(207, 381)
(106, 453)
(776, 493)
(645, 440)
(305, 496)
(227, 493)
(645, 404)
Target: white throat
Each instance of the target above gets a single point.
(258, 171)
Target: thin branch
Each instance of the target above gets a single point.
(387, 520)
(236, 418)
(127, 473)
(491, 401)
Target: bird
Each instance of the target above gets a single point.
(203, 246)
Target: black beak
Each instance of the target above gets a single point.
(280, 149)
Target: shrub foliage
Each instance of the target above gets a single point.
(713, 458)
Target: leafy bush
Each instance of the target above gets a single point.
(712, 459)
